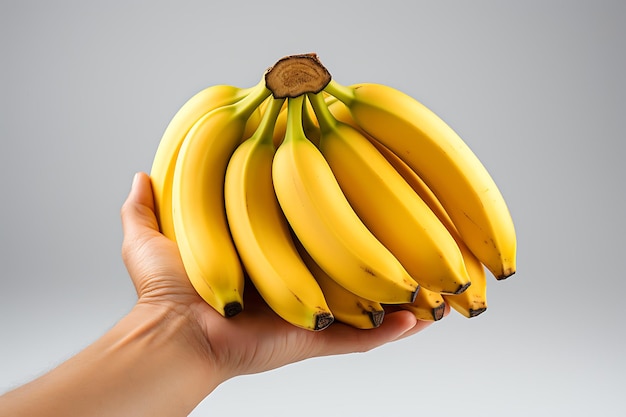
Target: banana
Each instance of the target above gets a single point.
(325, 223)
(389, 207)
(162, 170)
(428, 305)
(347, 307)
(444, 161)
(472, 301)
(262, 236)
(201, 231)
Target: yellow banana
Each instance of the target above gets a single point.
(262, 236)
(346, 306)
(162, 170)
(472, 301)
(327, 226)
(199, 217)
(444, 161)
(389, 207)
(428, 305)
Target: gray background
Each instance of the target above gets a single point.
(536, 88)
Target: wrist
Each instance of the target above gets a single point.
(169, 341)
(150, 363)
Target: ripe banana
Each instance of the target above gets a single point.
(338, 202)
(347, 307)
(206, 248)
(262, 236)
(444, 161)
(389, 207)
(472, 301)
(162, 171)
(326, 224)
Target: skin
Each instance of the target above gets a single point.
(172, 349)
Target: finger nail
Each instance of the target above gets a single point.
(135, 179)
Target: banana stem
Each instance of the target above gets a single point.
(265, 130)
(294, 118)
(325, 118)
(249, 103)
(307, 120)
(341, 92)
(310, 124)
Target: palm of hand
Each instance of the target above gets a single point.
(257, 339)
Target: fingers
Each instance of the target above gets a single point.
(422, 324)
(340, 339)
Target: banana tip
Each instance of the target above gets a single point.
(462, 288)
(438, 312)
(323, 320)
(232, 309)
(505, 274)
(377, 317)
(476, 312)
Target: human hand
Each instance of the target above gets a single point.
(255, 340)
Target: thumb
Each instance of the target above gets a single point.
(138, 209)
(140, 226)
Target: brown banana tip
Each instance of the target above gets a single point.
(438, 312)
(232, 309)
(376, 317)
(323, 320)
(505, 274)
(463, 288)
(414, 294)
(476, 312)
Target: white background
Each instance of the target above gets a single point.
(536, 88)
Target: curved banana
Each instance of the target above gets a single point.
(346, 306)
(262, 236)
(389, 207)
(206, 248)
(162, 170)
(327, 226)
(444, 161)
(472, 301)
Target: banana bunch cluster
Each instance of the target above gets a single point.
(337, 202)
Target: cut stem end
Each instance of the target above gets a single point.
(295, 75)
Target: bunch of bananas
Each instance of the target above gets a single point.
(337, 202)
